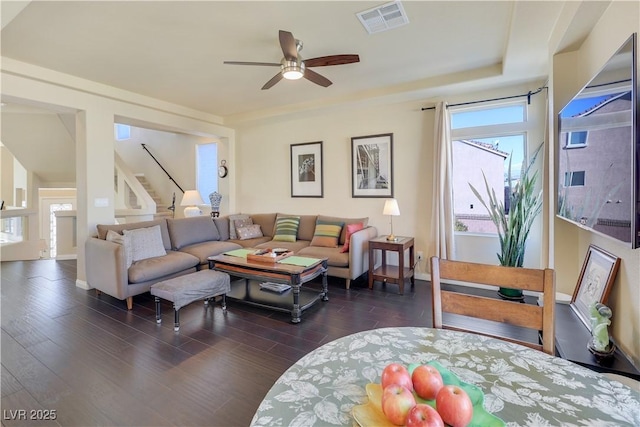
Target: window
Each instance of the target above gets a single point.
(577, 139)
(574, 179)
(207, 169)
(488, 116)
(485, 141)
(123, 132)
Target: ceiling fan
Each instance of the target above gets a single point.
(293, 67)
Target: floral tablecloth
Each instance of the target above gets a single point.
(522, 386)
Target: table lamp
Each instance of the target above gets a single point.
(191, 199)
(391, 208)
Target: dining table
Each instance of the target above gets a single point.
(521, 386)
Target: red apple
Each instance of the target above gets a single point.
(427, 381)
(396, 373)
(454, 406)
(397, 401)
(423, 415)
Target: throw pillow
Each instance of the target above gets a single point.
(232, 226)
(239, 223)
(145, 243)
(351, 228)
(327, 234)
(125, 241)
(286, 228)
(249, 232)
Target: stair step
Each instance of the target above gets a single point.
(162, 209)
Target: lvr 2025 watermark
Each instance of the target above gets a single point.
(29, 414)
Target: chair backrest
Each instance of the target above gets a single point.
(514, 313)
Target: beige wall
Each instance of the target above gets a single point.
(264, 173)
(571, 71)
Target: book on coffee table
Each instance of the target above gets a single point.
(274, 287)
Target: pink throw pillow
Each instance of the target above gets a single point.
(351, 228)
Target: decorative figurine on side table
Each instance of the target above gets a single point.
(600, 344)
(215, 198)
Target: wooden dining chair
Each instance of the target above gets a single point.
(538, 320)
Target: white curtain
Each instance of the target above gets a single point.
(442, 219)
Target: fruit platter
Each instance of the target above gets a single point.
(423, 395)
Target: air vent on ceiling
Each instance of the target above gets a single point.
(383, 18)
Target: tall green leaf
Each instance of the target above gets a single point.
(524, 205)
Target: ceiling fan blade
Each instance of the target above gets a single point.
(275, 79)
(266, 64)
(316, 78)
(288, 45)
(323, 61)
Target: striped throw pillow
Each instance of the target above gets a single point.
(287, 229)
(327, 234)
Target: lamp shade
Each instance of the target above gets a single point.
(391, 207)
(191, 198)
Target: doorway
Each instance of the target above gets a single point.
(48, 229)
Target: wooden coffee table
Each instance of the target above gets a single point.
(295, 300)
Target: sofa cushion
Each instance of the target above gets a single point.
(203, 250)
(232, 225)
(123, 240)
(187, 231)
(267, 222)
(335, 258)
(222, 224)
(351, 228)
(343, 235)
(119, 228)
(253, 243)
(157, 267)
(249, 232)
(145, 243)
(327, 234)
(286, 228)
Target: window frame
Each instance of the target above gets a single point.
(493, 130)
(569, 178)
(570, 145)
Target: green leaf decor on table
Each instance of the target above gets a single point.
(525, 203)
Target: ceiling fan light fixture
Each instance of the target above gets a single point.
(292, 70)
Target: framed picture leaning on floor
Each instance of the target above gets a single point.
(594, 283)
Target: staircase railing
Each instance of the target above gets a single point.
(144, 147)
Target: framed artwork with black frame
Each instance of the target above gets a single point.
(306, 170)
(594, 284)
(372, 166)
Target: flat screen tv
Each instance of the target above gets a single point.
(598, 153)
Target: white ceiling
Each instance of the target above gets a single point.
(174, 51)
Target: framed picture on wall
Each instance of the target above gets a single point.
(372, 166)
(306, 170)
(594, 284)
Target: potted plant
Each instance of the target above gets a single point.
(514, 226)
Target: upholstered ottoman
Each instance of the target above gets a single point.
(183, 290)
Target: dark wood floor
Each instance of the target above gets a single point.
(94, 363)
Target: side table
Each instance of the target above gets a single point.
(391, 273)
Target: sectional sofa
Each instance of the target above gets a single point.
(124, 260)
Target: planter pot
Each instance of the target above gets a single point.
(602, 356)
(511, 294)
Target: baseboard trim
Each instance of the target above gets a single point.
(82, 284)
